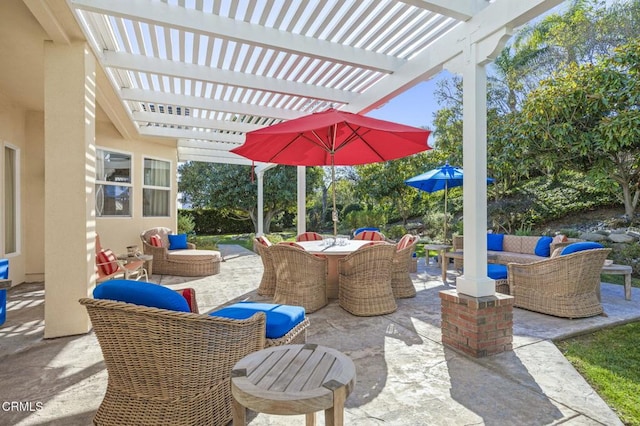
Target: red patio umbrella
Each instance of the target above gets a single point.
(333, 138)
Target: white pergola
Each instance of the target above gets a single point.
(204, 72)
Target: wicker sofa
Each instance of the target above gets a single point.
(564, 285)
(515, 249)
(189, 262)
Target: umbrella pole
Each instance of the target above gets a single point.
(334, 213)
(446, 190)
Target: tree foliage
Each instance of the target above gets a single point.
(587, 117)
(231, 187)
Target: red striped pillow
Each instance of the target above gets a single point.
(107, 262)
(155, 240)
(309, 236)
(405, 241)
(263, 240)
(190, 295)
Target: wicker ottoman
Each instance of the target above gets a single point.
(192, 262)
(499, 273)
(286, 324)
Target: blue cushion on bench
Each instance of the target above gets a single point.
(497, 271)
(494, 242)
(583, 245)
(141, 293)
(280, 318)
(543, 246)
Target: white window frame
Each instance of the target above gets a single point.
(17, 207)
(101, 181)
(169, 188)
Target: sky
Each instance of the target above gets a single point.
(415, 107)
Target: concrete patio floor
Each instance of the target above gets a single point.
(404, 374)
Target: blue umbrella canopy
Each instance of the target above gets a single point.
(440, 179)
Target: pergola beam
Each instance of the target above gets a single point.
(188, 121)
(213, 75)
(160, 98)
(458, 9)
(243, 32)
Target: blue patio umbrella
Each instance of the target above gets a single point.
(440, 179)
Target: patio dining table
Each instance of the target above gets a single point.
(335, 249)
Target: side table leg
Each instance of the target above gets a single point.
(334, 416)
(239, 414)
(310, 419)
(627, 286)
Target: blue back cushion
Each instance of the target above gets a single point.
(496, 271)
(177, 242)
(280, 318)
(584, 245)
(494, 242)
(141, 293)
(543, 247)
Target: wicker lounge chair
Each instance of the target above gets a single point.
(301, 277)
(267, 286)
(564, 286)
(365, 280)
(401, 282)
(186, 263)
(167, 367)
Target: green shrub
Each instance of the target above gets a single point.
(396, 232)
(186, 224)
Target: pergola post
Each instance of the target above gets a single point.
(475, 319)
(260, 174)
(302, 199)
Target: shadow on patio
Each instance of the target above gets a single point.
(404, 374)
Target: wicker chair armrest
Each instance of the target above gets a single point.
(191, 246)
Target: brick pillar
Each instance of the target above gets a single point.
(477, 326)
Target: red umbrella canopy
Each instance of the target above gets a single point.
(349, 138)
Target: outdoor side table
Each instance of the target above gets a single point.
(293, 379)
(440, 248)
(625, 270)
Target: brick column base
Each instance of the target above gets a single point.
(477, 326)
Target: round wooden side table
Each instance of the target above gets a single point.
(293, 379)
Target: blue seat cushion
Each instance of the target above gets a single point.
(177, 242)
(494, 242)
(497, 271)
(4, 269)
(583, 245)
(280, 318)
(543, 246)
(141, 293)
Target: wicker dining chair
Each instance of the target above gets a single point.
(365, 280)
(401, 282)
(564, 286)
(168, 367)
(267, 286)
(301, 277)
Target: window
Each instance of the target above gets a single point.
(156, 190)
(113, 183)
(11, 200)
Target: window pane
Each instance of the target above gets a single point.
(156, 202)
(113, 166)
(157, 173)
(112, 200)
